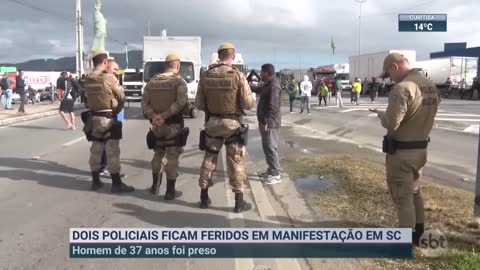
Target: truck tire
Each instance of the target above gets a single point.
(193, 113)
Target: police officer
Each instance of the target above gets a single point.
(164, 101)
(105, 98)
(223, 93)
(412, 105)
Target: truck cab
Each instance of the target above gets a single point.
(328, 77)
(132, 82)
(188, 71)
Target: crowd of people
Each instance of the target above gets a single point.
(326, 89)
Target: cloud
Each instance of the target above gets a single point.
(284, 32)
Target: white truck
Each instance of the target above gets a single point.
(156, 48)
(238, 62)
(455, 68)
(132, 82)
(371, 65)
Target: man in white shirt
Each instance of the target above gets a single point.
(306, 92)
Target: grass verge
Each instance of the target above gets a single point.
(360, 198)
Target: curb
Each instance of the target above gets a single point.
(29, 117)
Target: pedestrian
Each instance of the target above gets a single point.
(67, 103)
(292, 89)
(373, 90)
(365, 88)
(463, 85)
(338, 94)
(7, 85)
(31, 94)
(322, 93)
(412, 105)
(164, 100)
(20, 83)
(475, 86)
(224, 94)
(52, 93)
(269, 122)
(112, 68)
(381, 87)
(61, 84)
(448, 83)
(105, 98)
(306, 88)
(356, 90)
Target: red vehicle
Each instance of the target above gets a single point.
(325, 75)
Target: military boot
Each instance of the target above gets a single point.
(157, 182)
(240, 204)
(96, 182)
(118, 186)
(204, 199)
(171, 193)
(417, 233)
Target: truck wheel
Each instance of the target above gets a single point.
(194, 112)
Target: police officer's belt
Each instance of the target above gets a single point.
(104, 114)
(412, 144)
(232, 116)
(174, 119)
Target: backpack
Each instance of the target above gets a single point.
(4, 84)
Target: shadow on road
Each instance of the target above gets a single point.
(176, 219)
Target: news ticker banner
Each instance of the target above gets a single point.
(240, 243)
(422, 22)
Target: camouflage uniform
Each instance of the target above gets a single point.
(166, 95)
(104, 98)
(213, 95)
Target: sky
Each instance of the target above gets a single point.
(289, 34)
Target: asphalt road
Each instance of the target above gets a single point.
(45, 180)
(452, 151)
(44, 191)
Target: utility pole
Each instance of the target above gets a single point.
(126, 53)
(79, 38)
(476, 211)
(360, 25)
(148, 27)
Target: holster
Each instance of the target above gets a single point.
(202, 145)
(151, 139)
(87, 121)
(116, 130)
(183, 137)
(389, 146)
(243, 135)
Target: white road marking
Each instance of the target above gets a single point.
(267, 214)
(457, 119)
(70, 143)
(458, 114)
(472, 129)
(350, 110)
(236, 220)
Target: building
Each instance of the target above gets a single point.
(458, 49)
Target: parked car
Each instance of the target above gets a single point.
(46, 95)
(15, 98)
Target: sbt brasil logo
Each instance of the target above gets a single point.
(433, 243)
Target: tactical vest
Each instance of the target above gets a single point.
(98, 98)
(221, 91)
(163, 92)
